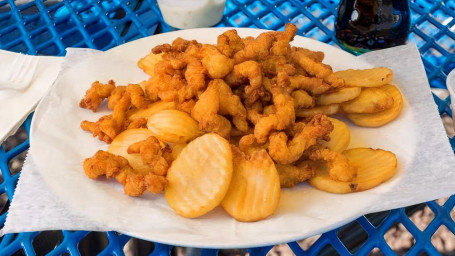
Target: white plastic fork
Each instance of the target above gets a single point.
(20, 74)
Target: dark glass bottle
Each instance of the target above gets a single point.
(364, 25)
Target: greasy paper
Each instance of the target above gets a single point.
(58, 147)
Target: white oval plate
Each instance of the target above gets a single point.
(59, 147)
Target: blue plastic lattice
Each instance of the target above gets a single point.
(47, 28)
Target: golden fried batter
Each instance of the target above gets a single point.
(165, 82)
(109, 126)
(254, 112)
(249, 145)
(291, 175)
(205, 111)
(229, 43)
(230, 104)
(114, 126)
(217, 64)
(151, 153)
(281, 45)
(96, 94)
(195, 77)
(115, 96)
(255, 49)
(317, 69)
(136, 123)
(135, 183)
(284, 117)
(95, 128)
(337, 164)
(314, 55)
(274, 64)
(155, 183)
(302, 99)
(247, 72)
(104, 164)
(137, 96)
(312, 85)
(284, 152)
(186, 106)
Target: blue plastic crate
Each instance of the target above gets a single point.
(47, 28)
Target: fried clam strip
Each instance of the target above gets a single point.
(280, 120)
(121, 99)
(186, 106)
(274, 64)
(317, 69)
(104, 164)
(249, 145)
(178, 45)
(115, 96)
(314, 55)
(96, 94)
(180, 75)
(136, 123)
(216, 63)
(158, 157)
(95, 128)
(247, 72)
(338, 165)
(178, 83)
(135, 184)
(205, 111)
(312, 85)
(230, 104)
(254, 112)
(285, 152)
(136, 94)
(255, 49)
(165, 82)
(109, 126)
(229, 43)
(302, 99)
(281, 46)
(291, 175)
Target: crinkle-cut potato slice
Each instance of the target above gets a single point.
(254, 193)
(370, 100)
(121, 143)
(200, 176)
(340, 96)
(326, 110)
(383, 117)
(374, 166)
(173, 126)
(177, 149)
(340, 137)
(148, 62)
(150, 110)
(373, 77)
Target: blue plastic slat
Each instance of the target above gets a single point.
(44, 27)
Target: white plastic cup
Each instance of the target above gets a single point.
(450, 82)
(186, 14)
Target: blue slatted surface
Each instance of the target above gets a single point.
(47, 28)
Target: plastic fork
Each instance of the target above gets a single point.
(20, 74)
